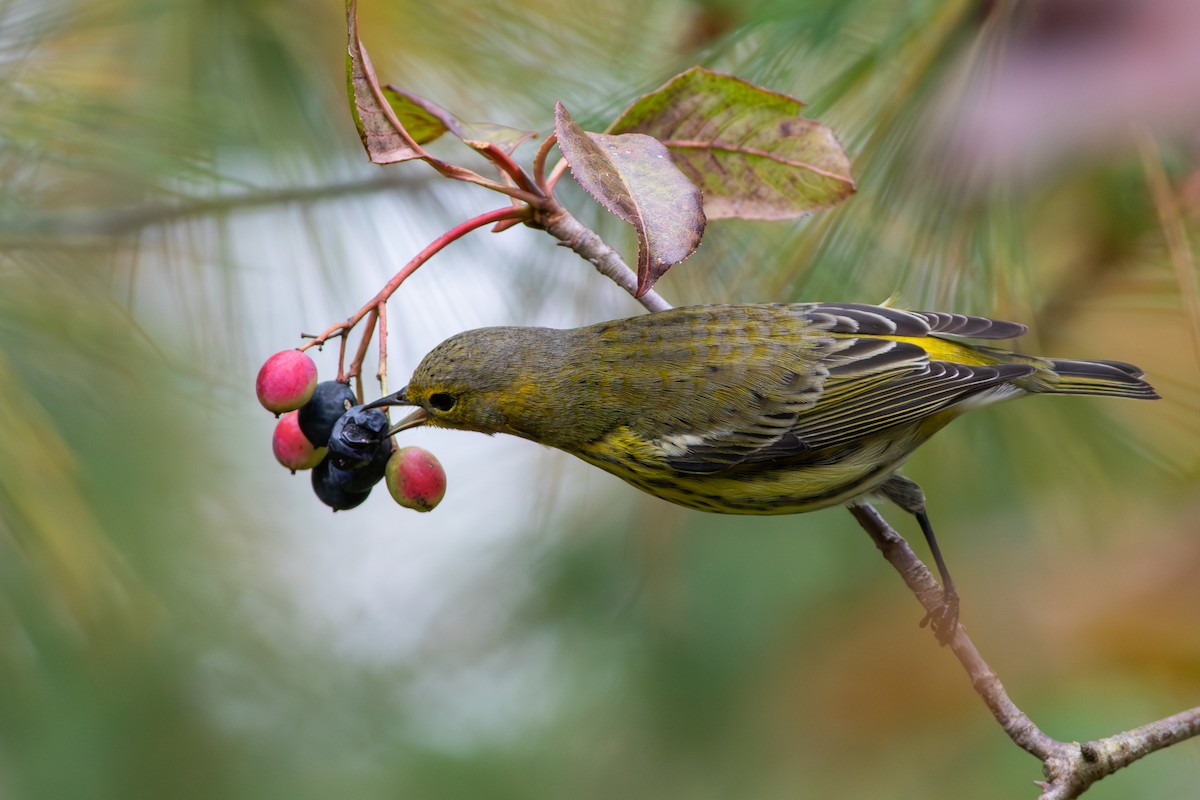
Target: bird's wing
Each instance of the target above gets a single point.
(857, 404)
(885, 321)
(845, 389)
(744, 408)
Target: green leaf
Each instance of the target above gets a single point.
(435, 120)
(633, 176)
(393, 123)
(422, 124)
(382, 131)
(749, 150)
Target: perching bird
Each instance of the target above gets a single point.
(746, 409)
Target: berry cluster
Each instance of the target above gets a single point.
(348, 447)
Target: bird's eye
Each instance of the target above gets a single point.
(440, 401)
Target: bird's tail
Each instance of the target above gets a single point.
(1106, 378)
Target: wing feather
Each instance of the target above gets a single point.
(857, 408)
(776, 382)
(884, 321)
(867, 385)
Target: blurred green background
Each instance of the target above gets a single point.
(184, 193)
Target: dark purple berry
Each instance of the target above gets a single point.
(364, 474)
(329, 402)
(360, 447)
(330, 485)
(358, 434)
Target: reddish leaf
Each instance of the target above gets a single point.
(381, 116)
(747, 148)
(633, 176)
(383, 135)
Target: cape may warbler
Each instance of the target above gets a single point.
(746, 409)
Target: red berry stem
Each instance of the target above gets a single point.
(381, 373)
(341, 359)
(519, 213)
(355, 370)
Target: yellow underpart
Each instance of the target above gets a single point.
(762, 491)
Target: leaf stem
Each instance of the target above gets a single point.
(539, 162)
(557, 172)
(505, 163)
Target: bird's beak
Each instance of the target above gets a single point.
(394, 399)
(417, 418)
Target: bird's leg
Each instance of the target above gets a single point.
(908, 495)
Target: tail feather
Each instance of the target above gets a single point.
(1107, 378)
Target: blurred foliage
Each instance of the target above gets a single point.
(183, 191)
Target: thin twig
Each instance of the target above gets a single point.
(921, 582)
(573, 234)
(1069, 767)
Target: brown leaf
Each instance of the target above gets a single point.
(384, 137)
(634, 177)
(749, 150)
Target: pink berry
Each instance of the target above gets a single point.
(286, 381)
(292, 448)
(415, 478)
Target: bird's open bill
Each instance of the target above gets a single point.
(417, 418)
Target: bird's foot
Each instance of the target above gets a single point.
(943, 618)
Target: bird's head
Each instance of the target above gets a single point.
(486, 380)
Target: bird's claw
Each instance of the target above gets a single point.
(943, 618)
